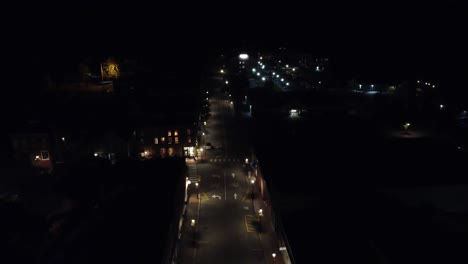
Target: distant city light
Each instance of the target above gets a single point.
(95, 154)
(227, 82)
(287, 84)
(206, 92)
(261, 58)
(282, 79)
(418, 81)
(317, 68)
(277, 75)
(360, 86)
(320, 82)
(258, 74)
(254, 70)
(63, 139)
(221, 71)
(294, 69)
(263, 66)
(274, 73)
(259, 63)
(441, 106)
(433, 86)
(263, 79)
(287, 65)
(243, 56)
(232, 102)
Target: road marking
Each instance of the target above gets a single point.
(225, 192)
(249, 220)
(243, 198)
(204, 197)
(216, 196)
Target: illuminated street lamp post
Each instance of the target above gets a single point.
(198, 194)
(260, 217)
(252, 194)
(192, 224)
(187, 183)
(274, 257)
(406, 127)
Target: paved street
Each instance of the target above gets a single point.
(227, 229)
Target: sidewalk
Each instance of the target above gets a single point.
(187, 245)
(266, 233)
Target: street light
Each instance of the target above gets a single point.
(441, 106)
(192, 224)
(274, 256)
(198, 194)
(406, 127)
(252, 194)
(187, 183)
(226, 82)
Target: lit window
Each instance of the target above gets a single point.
(176, 133)
(188, 131)
(156, 141)
(189, 140)
(45, 155)
(169, 141)
(169, 133)
(163, 139)
(176, 140)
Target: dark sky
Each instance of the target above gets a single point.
(396, 39)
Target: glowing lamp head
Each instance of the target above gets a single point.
(243, 56)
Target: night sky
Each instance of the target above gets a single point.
(384, 41)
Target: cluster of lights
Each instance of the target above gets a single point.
(427, 83)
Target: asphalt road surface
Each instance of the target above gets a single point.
(227, 231)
